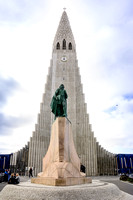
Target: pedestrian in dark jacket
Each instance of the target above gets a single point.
(30, 172)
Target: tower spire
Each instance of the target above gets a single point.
(64, 31)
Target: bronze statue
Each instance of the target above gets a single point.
(59, 102)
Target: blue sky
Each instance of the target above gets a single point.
(103, 33)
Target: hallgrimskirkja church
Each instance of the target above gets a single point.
(64, 70)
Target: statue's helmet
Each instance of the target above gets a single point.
(61, 86)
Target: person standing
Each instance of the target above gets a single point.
(30, 172)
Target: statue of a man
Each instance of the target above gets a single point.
(59, 102)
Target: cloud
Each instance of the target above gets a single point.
(111, 109)
(15, 11)
(121, 107)
(128, 97)
(7, 88)
(121, 145)
(8, 123)
(4, 149)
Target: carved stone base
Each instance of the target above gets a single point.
(61, 181)
(61, 164)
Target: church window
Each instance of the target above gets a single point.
(58, 46)
(125, 162)
(64, 44)
(70, 46)
(131, 163)
(121, 162)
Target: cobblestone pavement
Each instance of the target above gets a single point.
(124, 186)
(98, 190)
(22, 179)
(2, 185)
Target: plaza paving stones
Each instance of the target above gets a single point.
(96, 190)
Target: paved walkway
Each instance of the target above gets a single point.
(97, 190)
(124, 186)
(2, 185)
(22, 179)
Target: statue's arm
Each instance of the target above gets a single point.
(56, 93)
(66, 96)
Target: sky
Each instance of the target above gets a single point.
(103, 32)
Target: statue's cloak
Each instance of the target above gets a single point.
(59, 99)
(53, 105)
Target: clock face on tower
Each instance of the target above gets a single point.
(63, 59)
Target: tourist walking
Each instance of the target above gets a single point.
(30, 172)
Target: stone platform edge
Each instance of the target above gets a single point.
(62, 181)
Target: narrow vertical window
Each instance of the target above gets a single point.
(125, 162)
(121, 163)
(131, 163)
(70, 46)
(58, 46)
(64, 44)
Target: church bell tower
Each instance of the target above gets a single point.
(64, 70)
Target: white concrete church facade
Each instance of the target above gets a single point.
(64, 70)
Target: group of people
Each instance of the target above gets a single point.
(12, 178)
(8, 176)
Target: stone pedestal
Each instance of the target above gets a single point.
(61, 164)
